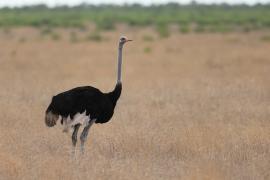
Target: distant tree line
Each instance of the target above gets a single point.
(191, 17)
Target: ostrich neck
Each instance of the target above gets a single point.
(115, 94)
(119, 65)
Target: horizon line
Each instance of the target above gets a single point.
(131, 3)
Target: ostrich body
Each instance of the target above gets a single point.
(84, 106)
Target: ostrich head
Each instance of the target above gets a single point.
(123, 40)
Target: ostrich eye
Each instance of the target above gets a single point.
(122, 39)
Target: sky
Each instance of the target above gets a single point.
(51, 3)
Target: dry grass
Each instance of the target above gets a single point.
(196, 107)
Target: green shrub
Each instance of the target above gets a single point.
(147, 50)
(247, 28)
(184, 29)
(73, 37)
(94, 36)
(7, 30)
(105, 24)
(22, 40)
(265, 38)
(222, 28)
(55, 36)
(46, 31)
(199, 29)
(148, 38)
(163, 30)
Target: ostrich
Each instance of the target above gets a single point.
(84, 106)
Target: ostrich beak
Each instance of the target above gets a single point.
(129, 40)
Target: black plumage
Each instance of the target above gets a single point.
(98, 105)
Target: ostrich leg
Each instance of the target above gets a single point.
(84, 134)
(74, 137)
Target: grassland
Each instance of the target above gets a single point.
(194, 106)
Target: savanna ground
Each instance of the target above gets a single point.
(193, 106)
